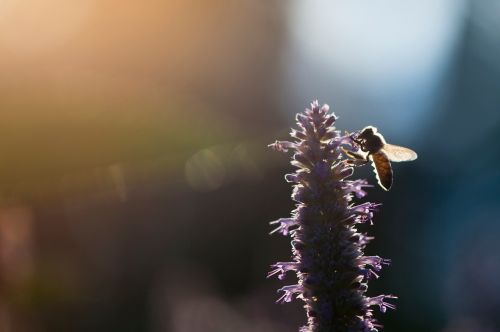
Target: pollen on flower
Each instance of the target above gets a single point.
(327, 248)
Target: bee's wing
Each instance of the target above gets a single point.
(398, 153)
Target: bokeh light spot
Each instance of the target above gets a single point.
(205, 171)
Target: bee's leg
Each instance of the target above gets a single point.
(354, 155)
(356, 162)
(356, 159)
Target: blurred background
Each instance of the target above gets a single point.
(135, 182)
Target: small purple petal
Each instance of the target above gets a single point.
(298, 134)
(330, 120)
(357, 186)
(364, 212)
(292, 178)
(325, 108)
(284, 225)
(304, 122)
(281, 268)
(379, 300)
(289, 291)
(369, 273)
(343, 140)
(346, 172)
(301, 160)
(282, 146)
(314, 108)
(364, 239)
(375, 261)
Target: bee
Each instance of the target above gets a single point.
(379, 153)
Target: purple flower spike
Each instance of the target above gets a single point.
(327, 249)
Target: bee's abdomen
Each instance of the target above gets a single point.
(382, 168)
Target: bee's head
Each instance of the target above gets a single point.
(367, 132)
